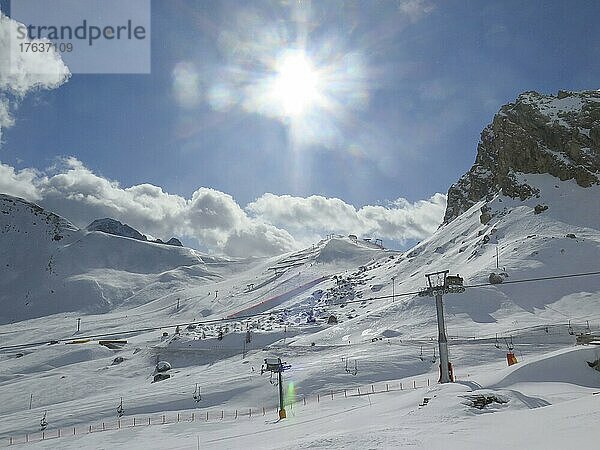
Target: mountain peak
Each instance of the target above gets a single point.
(557, 135)
(113, 226)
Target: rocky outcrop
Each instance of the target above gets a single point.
(558, 135)
(112, 226)
(174, 241)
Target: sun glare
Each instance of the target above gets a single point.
(296, 84)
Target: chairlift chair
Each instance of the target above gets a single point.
(496, 343)
(44, 422)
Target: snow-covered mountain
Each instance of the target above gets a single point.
(532, 195)
(528, 208)
(51, 266)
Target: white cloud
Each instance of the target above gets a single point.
(18, 183)
(415, 9)
(399, 221)
(24, 71)
(270, 225)
(259, 239)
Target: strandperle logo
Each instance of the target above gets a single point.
(90, 36)
(84, 32)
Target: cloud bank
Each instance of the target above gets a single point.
(270, 225)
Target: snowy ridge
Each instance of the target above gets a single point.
(50, 266)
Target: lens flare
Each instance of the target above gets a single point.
(290, 394)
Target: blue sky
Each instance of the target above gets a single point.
(418, 82)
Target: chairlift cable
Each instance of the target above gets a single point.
(277, 311)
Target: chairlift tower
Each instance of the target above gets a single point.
(274, 365)
(439, 284)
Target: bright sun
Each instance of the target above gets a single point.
(296, 84)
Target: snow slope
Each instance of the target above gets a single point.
(137, 290)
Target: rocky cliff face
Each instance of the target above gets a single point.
(542, 134)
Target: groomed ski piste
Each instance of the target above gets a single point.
(232, 314)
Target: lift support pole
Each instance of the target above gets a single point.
(442, 340)
(274, 365)
(281, 406)
(438, 285)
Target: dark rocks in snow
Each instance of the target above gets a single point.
(160, 377)
(571, 236)
(332, 320)
(480, 401)
(485, 216)
(494, 278)
(540, 209)
(118, 360)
